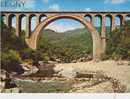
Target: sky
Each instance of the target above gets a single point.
(65, 5)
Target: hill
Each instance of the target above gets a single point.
(68, 45)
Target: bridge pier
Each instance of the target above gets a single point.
(112, 23)
(7, 20)
(37, 20)
(92, 20)
(123, 20)
(17, 26)
(103, 34)
(27, 26)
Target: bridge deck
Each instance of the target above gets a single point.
(92, 12)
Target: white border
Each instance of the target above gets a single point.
(64, 96)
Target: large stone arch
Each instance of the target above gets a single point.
(97, 49)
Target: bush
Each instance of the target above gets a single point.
(26, 53)
(119, 42)
(10, 61)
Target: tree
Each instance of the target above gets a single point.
(119, 42)
(10, 61)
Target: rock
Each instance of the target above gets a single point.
(46, 70)
(102, 87)
(41, 63)
(25, 66)
(85, 75)
(3, 76)
(11, 90)
(122, 62)
(69, 73)
(58, 60)
(30, 71)
(7, 84)
(52, 62)
(73, 61)
(83, 85)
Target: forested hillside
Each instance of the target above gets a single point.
(118, 43)
(64, 47)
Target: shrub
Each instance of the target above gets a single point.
(10, 61)
(119, 42)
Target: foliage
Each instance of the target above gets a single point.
(10, 47)
(10, 61)
(9, 39)
(67, 46)
(119, 42)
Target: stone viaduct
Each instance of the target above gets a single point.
(99, 39)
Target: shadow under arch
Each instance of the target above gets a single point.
(33, 39)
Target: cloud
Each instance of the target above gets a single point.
(30, 4)
(88, 9)
(54, 7)
(118, 1)
(62, 28)
(115, 1)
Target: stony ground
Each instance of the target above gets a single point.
(63, 85)
(69, 82)
(113, 69)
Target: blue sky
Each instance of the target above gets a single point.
(65, 5)
(80, 5)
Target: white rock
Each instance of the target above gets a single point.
(69, 73)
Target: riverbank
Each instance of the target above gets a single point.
(105, 73)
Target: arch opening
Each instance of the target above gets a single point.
(68, 40)
(32, 40)
(58, 18)
(118, 20)
(127, 17)
(32, 20)
(42, 18)
(3, 19)
(22, 22)
(108, 22)
(88, 18)
(97, 22)
(12, 21)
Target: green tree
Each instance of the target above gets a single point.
(119, 42)
(10, 61)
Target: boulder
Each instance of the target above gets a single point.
(7, 84)
(45, 69)
(29, 69)
(69, 73)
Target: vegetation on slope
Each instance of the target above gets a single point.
(67, 46)
(119, 42)
(10, 47)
